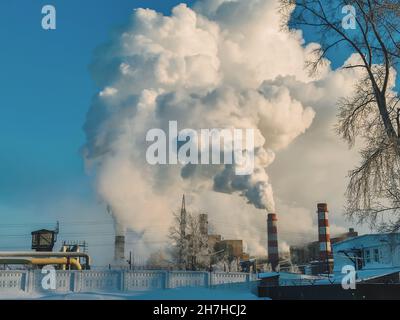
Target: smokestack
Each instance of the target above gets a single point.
(119, 242)
(119, 251)
(324, 237)
(203, 220)
(203, 224)
(273, 253)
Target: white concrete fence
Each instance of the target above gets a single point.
(118, 280)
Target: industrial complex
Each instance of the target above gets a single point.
(310, 270)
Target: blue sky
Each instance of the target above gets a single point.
(45, 93)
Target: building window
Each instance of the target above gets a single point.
(367, 256)
(376, 255)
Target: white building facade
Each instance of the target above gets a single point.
(368, 252)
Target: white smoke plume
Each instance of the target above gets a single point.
(220, 64)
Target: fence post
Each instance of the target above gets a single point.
(207, 279)
(31, 281)
(167, 279)
(24, 281)
(75, 281)
(122, 280)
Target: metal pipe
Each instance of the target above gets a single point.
(42, 261)
(34, 254)
(62, 261)
(43, 254)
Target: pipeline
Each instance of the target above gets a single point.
(43, 261)
(34, 254)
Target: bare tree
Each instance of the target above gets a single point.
(372, 113)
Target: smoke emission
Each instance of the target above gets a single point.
(220, 64)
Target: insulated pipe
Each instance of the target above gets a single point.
(273, 254)
(35, 254)
(42, 261)
(61, 261)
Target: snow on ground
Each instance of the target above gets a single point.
(199, 293)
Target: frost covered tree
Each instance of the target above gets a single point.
(189, 244)
(158, 260)
(371, 30)
(226, 257)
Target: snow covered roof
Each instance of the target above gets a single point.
(365, 240)
(288, 278)
(375, 273)
(286, 275)
(362, 275)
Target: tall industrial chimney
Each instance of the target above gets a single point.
(119, 242)
(273, 253)
(119, 251)
(203, 221)
(324, 237)
(203, 224)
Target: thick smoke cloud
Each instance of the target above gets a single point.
(222, 64)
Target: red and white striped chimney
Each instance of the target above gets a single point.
(324, 236)
(273, 253)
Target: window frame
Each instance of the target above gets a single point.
(367, 255)
(376, 255)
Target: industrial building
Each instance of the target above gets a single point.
(230, 250)
(316, 257)
(303, 255)
(375, 258)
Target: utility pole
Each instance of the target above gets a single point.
(130, 260)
